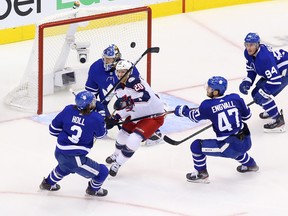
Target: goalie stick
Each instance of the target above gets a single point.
(174, 142)
(149, 50)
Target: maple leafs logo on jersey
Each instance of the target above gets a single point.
(105, 91)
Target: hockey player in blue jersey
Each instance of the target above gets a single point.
(233, 139)
(102, 78)
(76, 127)
(271, 65)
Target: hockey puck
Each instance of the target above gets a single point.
(133, 44)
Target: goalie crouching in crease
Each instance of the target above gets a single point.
(233, 139)
(135, 99)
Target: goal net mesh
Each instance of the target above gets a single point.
(54, 49)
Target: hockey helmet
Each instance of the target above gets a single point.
(218, 83)
(123, 65)
(83, 99)
(112, 52)
(252, 38)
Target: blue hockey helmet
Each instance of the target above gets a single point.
(111, 52)
(218, 83)
(83, 99)
(252, 38)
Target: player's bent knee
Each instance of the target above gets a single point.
(230, 153)
(260, 97)
(103, 173)
(196, 146)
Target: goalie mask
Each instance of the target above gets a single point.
(84, 99)
(218, 83)
(110, 56)
(122, 67)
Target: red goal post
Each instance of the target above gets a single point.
(60, 42)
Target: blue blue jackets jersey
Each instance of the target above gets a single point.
(75, 132)
(134, 83)
(226, 114)
(146, 102)
(269, 64)
(100, 82)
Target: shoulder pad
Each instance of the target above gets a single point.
(131, 79)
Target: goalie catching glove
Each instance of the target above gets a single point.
(124, 103)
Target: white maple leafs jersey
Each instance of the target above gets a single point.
(146, 102)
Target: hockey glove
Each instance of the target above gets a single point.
(100, 108)
(124, 103)
(245, 86)
(112, 121)
(182, 110)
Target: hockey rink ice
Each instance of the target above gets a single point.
(193, 47)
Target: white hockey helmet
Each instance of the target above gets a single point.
(123, 65)
(121, 69)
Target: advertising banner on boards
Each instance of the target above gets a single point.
(14, 13)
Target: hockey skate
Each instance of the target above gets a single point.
(45, 186)
(111, 159)
(101, 192)
(243, 169)
(114, 169)
(276, 125)
(264, 115)
(156, 138)
(198, 177)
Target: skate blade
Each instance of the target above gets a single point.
(280, 129)
(149, 143)
(201, 181)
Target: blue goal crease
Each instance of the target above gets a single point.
(172, 123)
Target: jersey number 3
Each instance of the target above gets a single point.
(75, 138)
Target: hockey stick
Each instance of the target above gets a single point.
(174, 142)
(147, 116)
(149, 50)
(72, 91)
(151, 116)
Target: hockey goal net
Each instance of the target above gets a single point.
(66, 44)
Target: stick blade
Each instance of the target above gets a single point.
(154, 49)
(170, 141)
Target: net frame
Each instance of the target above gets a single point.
(46, 24)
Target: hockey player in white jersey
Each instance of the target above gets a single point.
(102, 78)
(135, 99)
